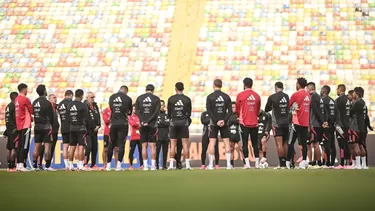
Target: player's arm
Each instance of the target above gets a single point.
(316, 110)
(138, 110)
(229, 110)
(326, 117)
(164, 123)
(210, 110)
(156, 112)
(29, 107)
(86, 116)
(130, 106)
(189, 108)
(169, 108)
(50, 113)
(268, 105)
(204, 119)
(354, 109)
(99, 121)
(268, 125)
(238, 104)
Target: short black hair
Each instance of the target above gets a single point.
(21, 87)
(248, 82)
(218, 83)
(124, 87)
(162, 101)
(341, 87)
(150, 87)
(69, 93)
(350, 92)
(79, 93)
(327, 88)
(279, 85)
(13, 96)
(41, 90)
(233, 102)
(179, 86)
(302, 82)
(312, 85)
(359, 91)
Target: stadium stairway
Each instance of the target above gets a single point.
(182, 50)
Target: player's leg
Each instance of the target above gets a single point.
(139, 146)
(113, 136)
(72, 148)
(184, 135)
(88, 149)
(132, 146)
(263, 149)
(280, 148)
(348, 147)
(254, 143)
(217, 155)
(121, 149)
(144, 140)
(158, 149)
(245, 145)
(165, 145)
(341, 142)
(178, 154)
(224, 133)
(105, 150)
(82, 141)
(26, 147)
(153, 136)
(362, 148)
(293, 135)
(94, 149)
(66, 138)
(317, 150)
(53, 144)
(332, 148)
(40, 158)
(205, 143)
(232, 145)
(38, 139)
(172, 152)
(212, 134)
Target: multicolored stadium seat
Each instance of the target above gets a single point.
(93, 44)
(327, 41)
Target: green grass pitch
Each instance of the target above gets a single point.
(190, 190)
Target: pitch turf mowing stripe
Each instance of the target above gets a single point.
(189, 190)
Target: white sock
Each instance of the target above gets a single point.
(256, 161)
(171, 163)
(211, 160)
(358, 161)
(287, 164)
(80, 163)
(363, 161)
(66, 163)
(187, 163)
(153, 163)
(118, 164)
(228, 155)
(145, 163)
(71, 166)
(247, 162)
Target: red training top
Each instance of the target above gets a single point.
(107, 120)
(24, 110)
(301, 115)
(248, 106)
(134, 123)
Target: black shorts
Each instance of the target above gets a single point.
(106, 140)
(252, 132)
(66, 138)
(118, 135)
(213, 131)
(281, 131)
(262, 135)
(301, 133)
(316, 135)
(356, 137)
(12, 141)
(177, 132)
(43, 136)
(148, 134)
(78, 138)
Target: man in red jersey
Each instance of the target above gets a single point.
(106, 115)
(24, 110)
(299, 105)
(248, 106)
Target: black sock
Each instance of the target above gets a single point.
(311, 163)
(319, 163)
(283, 161)
(232, 162)
(24, 165)
(314, 163)
(35, 163)
(342, 162)
(244, 162)
(12, 164)
(265, 154)
(324, 162)
(48, 163)
(9, 164)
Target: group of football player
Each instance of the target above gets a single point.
(316, 120)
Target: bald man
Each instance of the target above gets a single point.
(92, 136)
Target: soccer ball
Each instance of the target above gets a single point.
(263, 165)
